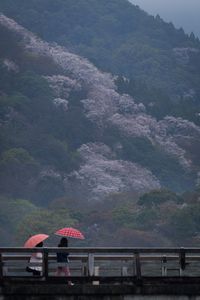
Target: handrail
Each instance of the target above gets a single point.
(99, 250)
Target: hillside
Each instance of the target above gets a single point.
(74, 150)
(161, 62)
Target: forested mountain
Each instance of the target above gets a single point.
(161, 62)
(81, 146)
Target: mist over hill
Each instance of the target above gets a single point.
(183, 14)
(81, 138)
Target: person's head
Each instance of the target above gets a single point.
(63, 242)
(39, 245)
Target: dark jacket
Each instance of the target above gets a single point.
(62, 257)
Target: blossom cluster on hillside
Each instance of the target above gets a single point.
(109, 153)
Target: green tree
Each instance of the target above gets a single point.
(11, 213)
(157, 197)
(17, 168)
(43, 221)
(185, 223)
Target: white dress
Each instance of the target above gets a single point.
(36, 258)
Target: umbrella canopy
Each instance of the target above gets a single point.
(70, 232)
(35, 239)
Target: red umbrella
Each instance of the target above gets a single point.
(70, 232)
(35, 239)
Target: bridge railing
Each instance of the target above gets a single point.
(97, 264)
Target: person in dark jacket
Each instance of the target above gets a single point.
(63, 260)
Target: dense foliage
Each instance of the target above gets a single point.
(161, 62)
(49, 141)
(29, 118)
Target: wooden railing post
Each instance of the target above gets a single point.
(182, 260)
(124, 271)
(45, 264)
(96, 273)
(84, 269)
(1, 266)
(164, 266)
(138, 265)
(90, 264)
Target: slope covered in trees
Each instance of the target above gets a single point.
(161, 61)
(71, 137)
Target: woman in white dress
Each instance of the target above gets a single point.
(36, 260)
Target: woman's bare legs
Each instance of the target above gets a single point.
(65, 271)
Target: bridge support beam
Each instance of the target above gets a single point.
(146, 291)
